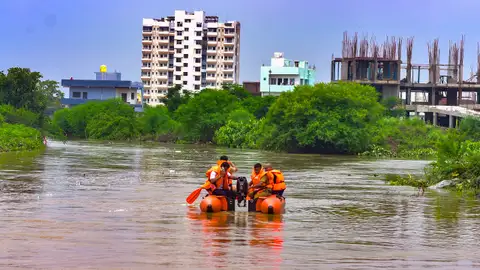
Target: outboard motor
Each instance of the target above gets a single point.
(242, 190)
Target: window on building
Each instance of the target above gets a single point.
(179, 50)
(179, 33)
(292, 81)
(198, 42)
(184, 82)
(198, 33)
(198, 60)
(76, 94)
(186, 29)
(185, 64)
(197, 87)
(285, 81)
(197, 78)
(179, 42)
(85, 95)
(185, 47)
(132, 96)
(198, 51)
(185, 56)
(178, 77)
(178, 60)
(188, 20)
(178, 68)
(185, 73)
(199, 24)
(197, 69)
(279, 81)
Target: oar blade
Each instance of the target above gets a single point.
(194, 195)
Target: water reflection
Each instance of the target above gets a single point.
(20, 179)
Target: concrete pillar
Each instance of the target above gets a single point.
(408, 97)
(451, 124)
(434, 118)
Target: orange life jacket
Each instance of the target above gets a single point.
(224, 181)
(257, 177)
(277, 180)
(219, 162)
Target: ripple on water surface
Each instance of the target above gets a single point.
(104, 205)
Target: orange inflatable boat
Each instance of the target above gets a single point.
(273, 204)
(215, 203)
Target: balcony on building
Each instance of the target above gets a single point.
(147, 41)
(105, 86)
(147, 30)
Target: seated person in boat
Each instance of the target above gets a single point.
(275, 179)
(218, 176)
(232, 168)
(230, 171)
(259, 186)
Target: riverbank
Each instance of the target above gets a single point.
(17, 137)
(309, 119)
(327, 118)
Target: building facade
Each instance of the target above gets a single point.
(105, 86)
(193, 50)
(252, 87)
(284, 74)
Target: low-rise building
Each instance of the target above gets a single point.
(284, 74)
(252, 87)
(105, 86)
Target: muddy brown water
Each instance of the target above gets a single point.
(118, 206)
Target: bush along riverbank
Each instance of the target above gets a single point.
(337, 118)
(24, 101)
(456, 165)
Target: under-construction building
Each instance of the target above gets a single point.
(380, 65)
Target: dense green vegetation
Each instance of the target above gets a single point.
(25, 101)
(340, 118)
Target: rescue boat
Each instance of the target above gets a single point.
(215, 203)
(273, 204)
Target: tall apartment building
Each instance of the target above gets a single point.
(188, 49)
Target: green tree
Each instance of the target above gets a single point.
(156, 123)
(23, 88)
(236, 90)
(111, 119)
(258, 105)
(325, 118)
(204, 114)
(174, 98)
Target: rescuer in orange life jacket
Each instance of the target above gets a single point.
(232, 169)
(259, 186)
(275, 179)
(219, 177)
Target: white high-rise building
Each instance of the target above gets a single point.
(188, 49)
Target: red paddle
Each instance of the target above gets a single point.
(194, 195)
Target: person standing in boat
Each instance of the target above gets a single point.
(218, 176)
(275, 179)
(259, 186)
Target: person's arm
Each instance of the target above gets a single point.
(230, 176)
(233, 167)
(214, 177)
(262, 183)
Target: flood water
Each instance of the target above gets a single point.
(110, 206)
